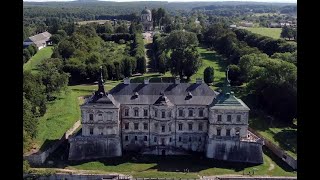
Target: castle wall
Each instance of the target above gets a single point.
(235, 150)
(94, 147)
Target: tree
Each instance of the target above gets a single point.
(52, 76)
(127, 66)
(181, 40)
(34, 91)
(234, 75)
(122, 28)
(31, 50)
(66, 49)
(208, 75)
(184, 62)
(287, 32)
(26, 54)
(162, 63)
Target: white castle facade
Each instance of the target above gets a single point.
(165, 119)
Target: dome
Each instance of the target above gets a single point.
(146, 11)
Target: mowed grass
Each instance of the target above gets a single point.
(219, 64)
(282, 135)
(42, 54)
(61, 114)
(270, 32)
(173, 167)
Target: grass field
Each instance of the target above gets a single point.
(270, 32)
(42, 54)
(211, 58)
(61, 114)
(283, 135)
(173, 167)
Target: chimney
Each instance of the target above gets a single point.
(198, 81)
(126, 80)
(177, 81)
(146, 81)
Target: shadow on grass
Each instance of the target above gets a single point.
(287, 139)
(194, 163)
(277, 160)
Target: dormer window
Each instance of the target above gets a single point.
(135, 95)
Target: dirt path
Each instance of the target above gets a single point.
(148, 39)
(271, 165)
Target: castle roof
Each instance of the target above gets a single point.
(178, 94)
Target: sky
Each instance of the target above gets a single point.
(283, 1)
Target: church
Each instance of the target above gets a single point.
(165, 119)
(146, 20)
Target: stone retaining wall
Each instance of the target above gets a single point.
(40, 157)
(292, 162)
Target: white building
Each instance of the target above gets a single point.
(40, 40)
(146, 20)
(166, 119)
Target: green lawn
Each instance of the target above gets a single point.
(270, 32)
(283, 135)
(173, 167)
(42, 54)
(61, 114)
(211, 58)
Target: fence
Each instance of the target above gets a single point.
(39, 157)
(292, 162)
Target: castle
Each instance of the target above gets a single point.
(165, 119)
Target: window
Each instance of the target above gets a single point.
(155, 139)
(162, 141)
(190, 127)
(180, 127)
(229, 118)
(199, 139)
(180, 139)
(145, 138)
(190, 112)
(219, 118)
(200, 112)
(126, 112)
(189, 139)
(126, 126)
(91, 117)
(200, 126)
(155, 125)
(136, 112)
(156, 113)
(135, 138)
(126, 138)
(109, 116)
(218, 132)
(170, 139)
(145, 126)
(136, 126)
(169, 114)
(163, 114)
(238, 118)
(163, 128)
(145, 112)
(228, 132)
(91, 131)
(180, 112)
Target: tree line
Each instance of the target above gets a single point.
(39, 89)
(271, 78)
